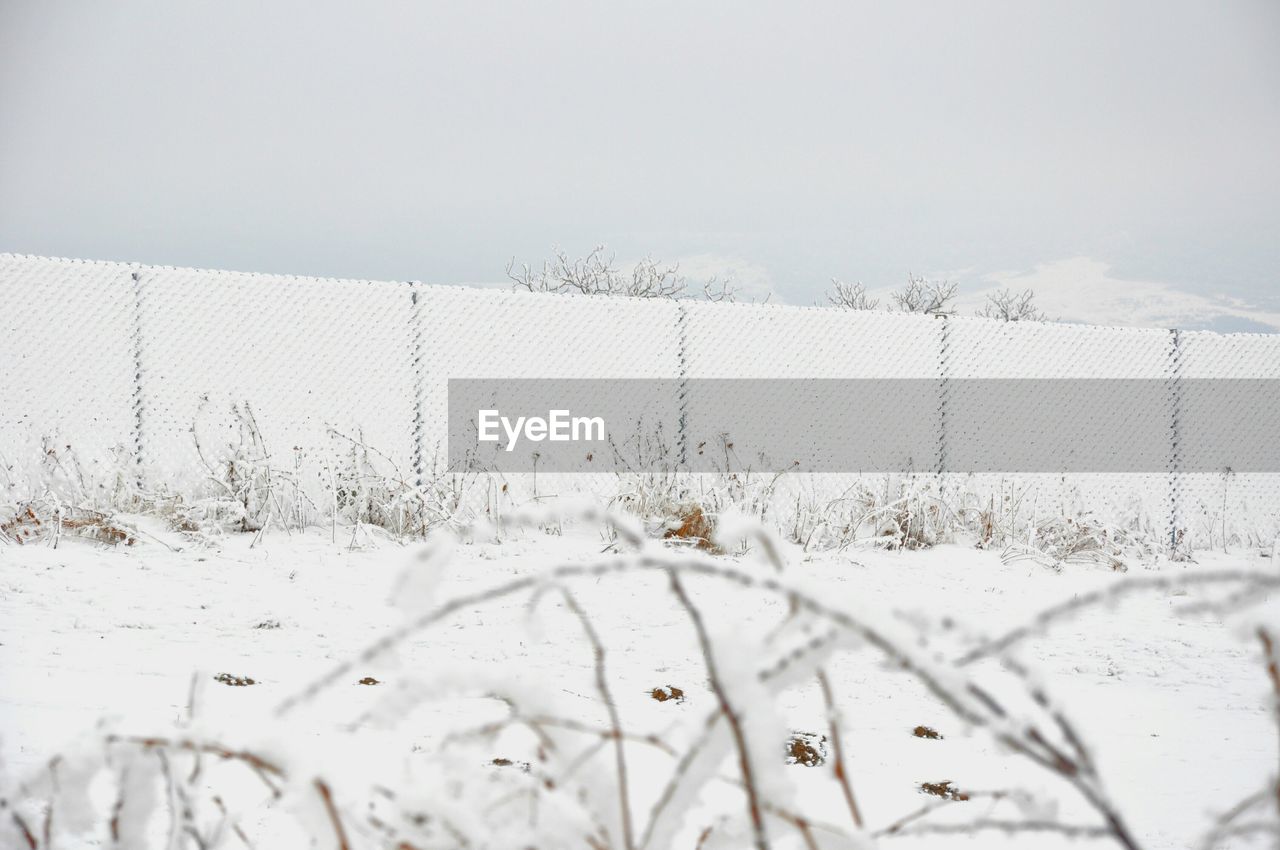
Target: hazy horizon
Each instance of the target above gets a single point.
(1118, 158)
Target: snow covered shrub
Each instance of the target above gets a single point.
(1055, 532)
(65, 498)
(1060, 541)
(247, 487)
(916, 512)
(368, 488)
(61, 496)
(685, 506)
(48, 520)
(901, 513)
(57, 473)
(243, 486)
(913, 518)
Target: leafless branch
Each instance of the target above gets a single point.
(937, 805)
(25, 831)
(1005, 305)
(1111, 591)
(235, 827)
(1009, 827)
(598, 274)
(727, 709)
(1272, 658)
(1227, 823)
(263, 768)
(837, 749)
(48, 812)
(340, 832)
(930, 297)
(850, 296)
(615, 722)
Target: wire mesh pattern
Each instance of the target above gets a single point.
(157, 372)
(477, 333)
(309, 364)
(980, 348)
(777, 341)
(1214, 507)
(68, 386)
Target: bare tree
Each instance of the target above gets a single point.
(598, 274)
(851, 296)
(926, 296)
(1009, 306)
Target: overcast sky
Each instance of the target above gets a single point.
(1120, 157)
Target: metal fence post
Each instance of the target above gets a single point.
(138, 404)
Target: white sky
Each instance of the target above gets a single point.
(1119, 156)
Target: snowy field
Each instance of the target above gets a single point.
(1172, 701)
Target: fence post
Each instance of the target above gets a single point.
(1174, 391)
(137, 381)
(944, 395)
(419, 379)
(682, 393)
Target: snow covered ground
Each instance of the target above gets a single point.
(1175, 705)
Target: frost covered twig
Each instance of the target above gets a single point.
(326, 796)
(930, 297)
(1271, 657)
(1228, 824)
(1009, 827)
(1008, 306)
(727, 709)
(837, 749)
(850, 296)
(1114, 590)
(615, 722)
(900, 825)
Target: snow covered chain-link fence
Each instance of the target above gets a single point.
(122, 374)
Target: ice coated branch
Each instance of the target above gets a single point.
(727, 709)
(1005, 305)
(1247, 583)
(931, 297)
(598, 274)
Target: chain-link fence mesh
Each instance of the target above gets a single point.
(313, 378)
(68, 382)
(980, 348)
(476, 333)
(767, 341)
(1213, 508)
(171, 377)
